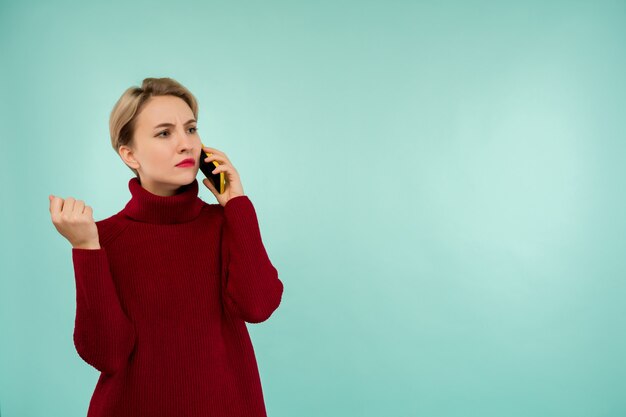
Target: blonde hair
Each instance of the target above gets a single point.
(124, 114)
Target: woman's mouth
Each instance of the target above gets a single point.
(186, 163)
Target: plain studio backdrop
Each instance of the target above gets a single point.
(439, 184)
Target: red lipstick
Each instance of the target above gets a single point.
(189, 162)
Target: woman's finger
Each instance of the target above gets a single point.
(79, 206)
(219, 168)
(213, 150)
(68, 205)
(55, 205)
(219, 158)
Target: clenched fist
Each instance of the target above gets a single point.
(74, 220)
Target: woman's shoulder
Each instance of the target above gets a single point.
(111, 227)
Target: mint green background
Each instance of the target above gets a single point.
(439, 184)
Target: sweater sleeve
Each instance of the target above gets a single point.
(251, 289)
(104, 337)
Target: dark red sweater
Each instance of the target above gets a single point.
(161, 307)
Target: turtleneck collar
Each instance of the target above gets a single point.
(151, 208)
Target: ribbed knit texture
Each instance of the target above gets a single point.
(162, 306)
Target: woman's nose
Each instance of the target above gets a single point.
(185, 140)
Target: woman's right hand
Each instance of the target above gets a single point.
(74, 220)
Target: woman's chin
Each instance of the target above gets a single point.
(186, 175)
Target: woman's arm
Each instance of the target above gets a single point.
(251, 289)
(104, 337)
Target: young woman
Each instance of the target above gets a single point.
(164, 287)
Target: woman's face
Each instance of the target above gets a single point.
(165, 134)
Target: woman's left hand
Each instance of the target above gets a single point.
(233, 183)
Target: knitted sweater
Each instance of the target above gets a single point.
(161, 307)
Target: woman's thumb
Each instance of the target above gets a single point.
(209, 184)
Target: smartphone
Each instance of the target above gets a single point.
(218, 180)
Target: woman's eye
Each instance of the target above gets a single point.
(195, 129)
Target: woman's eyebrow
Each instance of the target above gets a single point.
(169, 124)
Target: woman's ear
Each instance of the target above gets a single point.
(127, 155)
